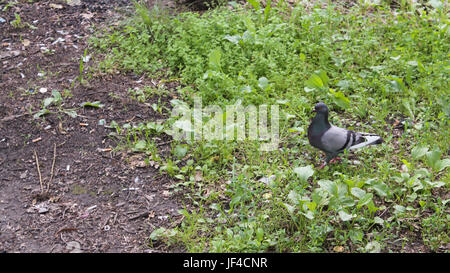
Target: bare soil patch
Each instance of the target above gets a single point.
(97, 200)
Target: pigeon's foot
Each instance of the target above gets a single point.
(335, 159)
(322, 166)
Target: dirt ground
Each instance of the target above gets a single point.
(87, 197)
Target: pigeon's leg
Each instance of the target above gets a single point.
(322, 166)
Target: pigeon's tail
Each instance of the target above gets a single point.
(368, 139)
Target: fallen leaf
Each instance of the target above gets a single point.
(74, 2)
(151, 214)
(338, 249)
(137, 161)
(87, 15)
(14, 53)
(198, 176)
(26, 42)
(56, 6)
(74, 247)
(396, 122)
(267, 195)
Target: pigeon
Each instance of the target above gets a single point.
(334, 140)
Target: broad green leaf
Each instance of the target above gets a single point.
(263, 83)
(371, 206)
(246, 89)
(234, 39)
(433, 158)
(442, 164)
(323, 76)
(304, 172)
(357, 192)
(319, 197)
(356, 235)
(267, 10)
(214, 59)
(259, 234)
(307, 89)
(378, 220)
(56, 96)
(345, 216)
(346, 202)
(48, 101)
(282, 101)
(184, 125)
(71, 113)
(399, 209)
(302, 57)
(293, 196)
(255, 4)
(364, 200)
(311, 205)
(180, 151)
(179, 177)
(418, 151)
(437, 4)
(373, 247)
(309, 214)
(342, 190)
(409, 107)
(344, 84)
(396, 84)
(140, 145)
(340, 99)
(314, 82)
(381, 189)
(41, 113)
(289, 208)
(248, 36)
(95, 104)
(329, 186)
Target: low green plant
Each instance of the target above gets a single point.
(379, 70)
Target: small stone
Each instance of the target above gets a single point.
(23, 175)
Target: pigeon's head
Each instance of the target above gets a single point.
(321, 108)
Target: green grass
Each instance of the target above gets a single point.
(371, 65)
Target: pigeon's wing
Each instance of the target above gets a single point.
(366, 139)
(337, 139)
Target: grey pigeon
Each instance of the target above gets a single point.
(334, 140)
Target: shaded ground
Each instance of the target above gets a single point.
(98, 200)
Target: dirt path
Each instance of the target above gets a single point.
(98, 200)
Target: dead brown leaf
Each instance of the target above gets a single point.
(198, 176)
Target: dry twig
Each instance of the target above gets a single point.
(53, 167)
(39, 171)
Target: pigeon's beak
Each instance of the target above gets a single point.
(313, 111)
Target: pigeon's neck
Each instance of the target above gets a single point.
(320, 124)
